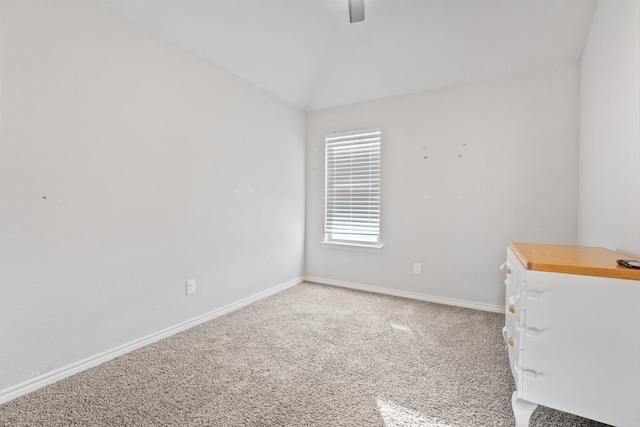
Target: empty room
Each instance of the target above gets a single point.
(386, 213)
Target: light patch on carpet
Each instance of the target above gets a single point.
(400, 327)
(398, 416)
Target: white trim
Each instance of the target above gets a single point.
(411, 295)
(82, 365)
(352, 246)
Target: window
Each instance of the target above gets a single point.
(352, 188)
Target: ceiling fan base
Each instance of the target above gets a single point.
(356, 11)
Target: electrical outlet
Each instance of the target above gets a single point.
(417, 268)
(191, 286)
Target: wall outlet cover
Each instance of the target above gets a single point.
(417, 268)
(191, 286)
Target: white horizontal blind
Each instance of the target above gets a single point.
(353, 183)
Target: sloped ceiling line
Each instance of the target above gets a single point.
(307, 53)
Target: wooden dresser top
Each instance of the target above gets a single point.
(584, 260)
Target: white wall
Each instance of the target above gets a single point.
(609, 201)
(516, 180)
(156, 166)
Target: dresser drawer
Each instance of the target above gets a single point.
(511, 278)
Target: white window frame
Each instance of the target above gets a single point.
(341, 230)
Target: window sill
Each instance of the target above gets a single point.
(353, 246)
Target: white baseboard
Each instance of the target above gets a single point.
(90, 362)
(412, 295)
(82, 365)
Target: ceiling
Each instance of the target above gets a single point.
(307, 53)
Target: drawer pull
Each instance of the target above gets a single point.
(507, 282)
(532, 332)
(510, 341)
(512, 309)
(529, 373)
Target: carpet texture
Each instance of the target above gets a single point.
(313, 355)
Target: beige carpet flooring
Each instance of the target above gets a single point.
(312, 355)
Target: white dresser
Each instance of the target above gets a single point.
(572, 327)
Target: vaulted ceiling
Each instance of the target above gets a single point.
(308, 54)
